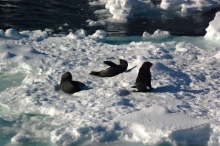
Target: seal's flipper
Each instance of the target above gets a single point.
(147, 90)
(79, 84)
(110, 63)
(94, 73)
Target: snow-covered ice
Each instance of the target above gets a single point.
(121, 10)
(158, 34)
(185, 102)
(213, 30)
(189, 5)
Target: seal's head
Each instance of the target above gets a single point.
(66, 77)
(146, 66)
(123, 62)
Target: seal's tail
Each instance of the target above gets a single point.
(94, 73)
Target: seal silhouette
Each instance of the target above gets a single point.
(113, 70)
(144, 78)
(69, 86)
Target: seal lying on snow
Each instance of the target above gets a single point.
(144, 78)
(113, 70)
(69, 86)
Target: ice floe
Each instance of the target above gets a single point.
(185, 102)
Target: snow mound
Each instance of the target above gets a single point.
(18, 53)
(158, 34)
(189, 5)
(213, 30)
(19, 138)
(13, 34)
(96, 23)
(121, 10)
(155, 123)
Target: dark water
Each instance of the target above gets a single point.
(41, 14)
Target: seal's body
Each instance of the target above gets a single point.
(144, 78)
(113, 70)
(69, 86)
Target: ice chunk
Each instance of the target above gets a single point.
(99, 35)
(158, 34)
(189, 5)
(13, 34)
(96, 23)
(213, 30)
(20, 138)
(36, 35)
(65, 136)
(121, 10)
(171, 4)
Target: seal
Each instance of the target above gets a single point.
(69, 86)
(144, 78)
(113, 70)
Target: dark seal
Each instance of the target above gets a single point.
(69, 86)
(144, 78)
(113, 70)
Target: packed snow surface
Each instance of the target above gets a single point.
(183, 108)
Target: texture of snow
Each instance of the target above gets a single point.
(155, 123)
(96, 23)
(213, 30)
(37, 35)
(189, 5)
(185, 100)
(121, 10)
(19, 138)
(158, 34)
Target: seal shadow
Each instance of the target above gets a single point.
(172, 89)
(129, 70)
(126, 102)
(57, 88)
(179, 78)
(85, 88)
(124, 92)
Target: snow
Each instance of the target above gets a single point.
(11, 33)
(19, 138)
(121, 10)
(96, 23)
(213, 30)
(185, 101)
(152, 124)
(158, 34)
(189, 5)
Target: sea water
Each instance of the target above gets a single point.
(62, 17)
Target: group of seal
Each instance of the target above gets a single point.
(143, 79)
